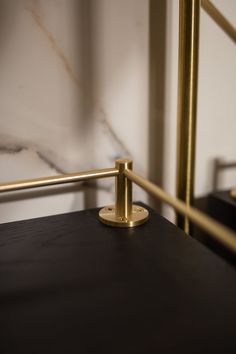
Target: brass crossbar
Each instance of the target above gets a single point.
(221, 21)
(221, 233)
(60, 179)
(124, 213)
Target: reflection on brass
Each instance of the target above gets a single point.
(123, 214)
(233, 193)
(219, 232)
(221, 21)
(187, 102)
(123, 189)
(60, 179)
(138, 216)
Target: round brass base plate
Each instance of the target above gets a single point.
(108, 216)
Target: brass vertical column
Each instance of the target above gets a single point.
(189, 13)
(123, 189)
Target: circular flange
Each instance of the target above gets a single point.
(108, 216)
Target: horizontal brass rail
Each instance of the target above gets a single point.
(60, 179)
(221, 233)
(221, 21)
(217, 230)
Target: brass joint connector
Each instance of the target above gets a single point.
(124, 213)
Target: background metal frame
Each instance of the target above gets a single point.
(189, 20)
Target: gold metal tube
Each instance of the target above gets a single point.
(123, 189)
(221, 233)
(221, 21)
(66, 178)
(189, 11)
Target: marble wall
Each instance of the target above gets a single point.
(74, 96)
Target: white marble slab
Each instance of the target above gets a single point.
(73, 96)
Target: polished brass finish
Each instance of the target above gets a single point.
(221, 233)
(138, 216)
(187, 102)
(60, 179)
(221, 21)
(123, 214)
(123, 189)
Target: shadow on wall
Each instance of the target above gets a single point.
(11, 14)
(85, 30)
(62, 37)
(157, 43)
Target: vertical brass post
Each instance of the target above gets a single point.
(189, 12)
(124, 213)
(123, 189)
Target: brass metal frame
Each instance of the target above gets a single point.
(189, 18)
(124, 213)
(60, 179)
(220, 19)
(189, 13)
(218, 231)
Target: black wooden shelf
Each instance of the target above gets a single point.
(69, 284)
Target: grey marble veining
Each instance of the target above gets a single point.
(66, 97)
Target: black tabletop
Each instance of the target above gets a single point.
(69, 284)
(222, 207)
(225, 196)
